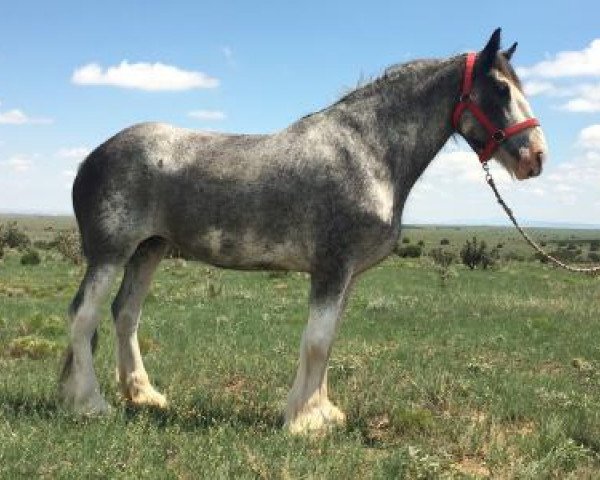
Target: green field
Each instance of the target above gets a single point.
(489, 374)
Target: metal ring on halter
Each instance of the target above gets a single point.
(465, 97)
(499, 136)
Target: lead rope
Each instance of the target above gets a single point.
(488, 178)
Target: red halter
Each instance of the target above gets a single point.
(495, 135)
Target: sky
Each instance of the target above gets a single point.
(74, 73)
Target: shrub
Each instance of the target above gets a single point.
(442, 260)
(475, 253)
(444, 241)
(421, 243)
(31, 257)
(33, 347)
(564, 255)
(512, 256)
(69, 246)
(410, 251)
(13, 237)
(594, 245)
(43, 245)
(441, 257)
(405, 240)
(594, 257)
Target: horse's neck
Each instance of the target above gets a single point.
(411, 120)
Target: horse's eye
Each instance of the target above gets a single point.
(503, 89)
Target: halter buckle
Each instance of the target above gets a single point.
(465, 98)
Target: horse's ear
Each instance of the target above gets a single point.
(487, 56)
(509, 52)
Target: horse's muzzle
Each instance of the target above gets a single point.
(531, 162)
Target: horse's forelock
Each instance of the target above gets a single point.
(504, 67)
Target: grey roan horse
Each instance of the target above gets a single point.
(324, 196)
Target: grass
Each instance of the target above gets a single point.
(496, 374)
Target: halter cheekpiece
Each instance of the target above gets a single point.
(495, 135)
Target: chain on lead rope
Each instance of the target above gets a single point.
(490, 181)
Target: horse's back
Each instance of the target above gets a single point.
(192, 188)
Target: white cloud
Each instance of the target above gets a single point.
(143, 76)
(18, 163)
(453, 189)
(575, 63)
(536, 87)
(589, 137)
(586, 99)
(208, 115)
(73, 153)
(17, 117)
(583, 97)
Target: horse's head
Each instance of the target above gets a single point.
(494, 115)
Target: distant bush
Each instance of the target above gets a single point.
(499, 246)
(43, 245)
(405, 240)
(69, 246)
(421, 243)
(594, 245)
(571, 246)
(564, 255)
(444, 241)
(410, 251)
(31, 257)
(475, 254)
(13, 237)
(594, 257)
(543, 244)
(441, 257)
(512, 256)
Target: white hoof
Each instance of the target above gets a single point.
(139, 392)
(147, 397)
(316, 419)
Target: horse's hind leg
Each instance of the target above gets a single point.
(308, 407)
(126, 310)
(78, 384)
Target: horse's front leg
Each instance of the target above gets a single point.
(308, 408)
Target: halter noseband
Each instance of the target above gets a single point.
(495, 135)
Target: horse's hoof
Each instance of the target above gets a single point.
(316, 420)
(93, 406)
(147, 397)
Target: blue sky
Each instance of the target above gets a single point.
(74, 73)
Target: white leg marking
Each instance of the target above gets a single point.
(308, 408)
(131, 373)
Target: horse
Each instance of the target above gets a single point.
(323, 196)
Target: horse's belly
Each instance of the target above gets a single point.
(248, 251)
